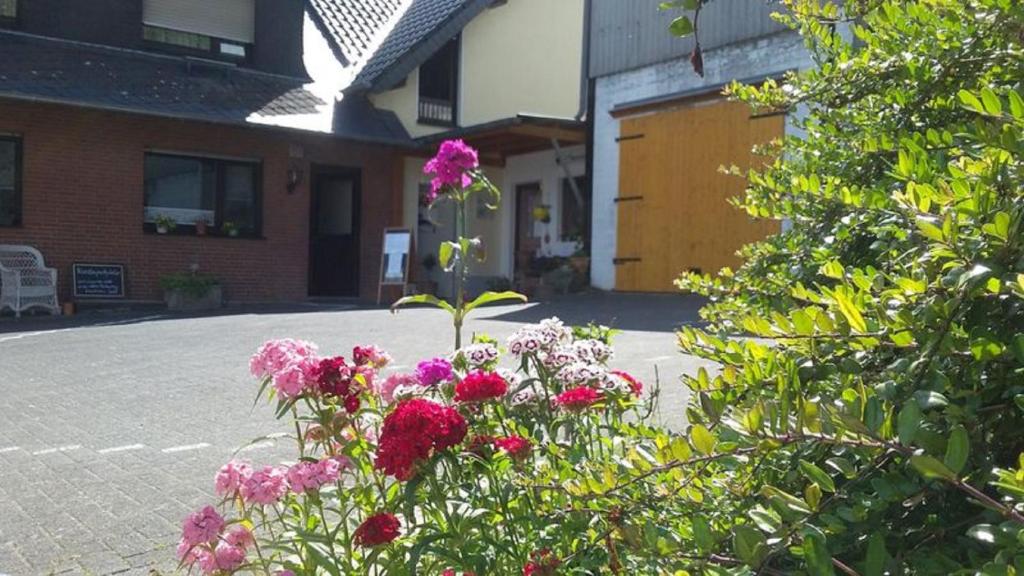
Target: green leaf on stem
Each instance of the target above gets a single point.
(423, 299)
(817, 475)
(930, 467)
(491, 297)
(957, 449)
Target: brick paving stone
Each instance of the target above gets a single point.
(183, 381)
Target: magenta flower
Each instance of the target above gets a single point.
(265, 486)
(230, 477)
(202, 526)
(434, 372)
(451, 167)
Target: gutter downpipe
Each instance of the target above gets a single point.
(585, 65)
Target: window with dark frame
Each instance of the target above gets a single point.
(8, 13)
(10, 181)
(224, 194)
(439, 86)
(575, 216)
(195, 44)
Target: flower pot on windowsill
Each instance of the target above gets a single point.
(162, 230)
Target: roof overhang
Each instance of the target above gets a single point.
(513, 136)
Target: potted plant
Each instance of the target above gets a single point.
(201, 226)
(427, 284)
(580, 259)
(164, 224)
(542, 213)
(191, 291)
(229, 229)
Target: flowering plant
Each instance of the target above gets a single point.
(457, 176)
(462, 467)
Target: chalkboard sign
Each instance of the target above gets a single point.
(394, 265)
(98, 280)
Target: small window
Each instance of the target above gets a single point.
(8, 12)
(439, 86)
(575, 211)
(222, 193)
(192, 43)
(10, 181)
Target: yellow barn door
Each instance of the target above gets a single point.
(673, 206)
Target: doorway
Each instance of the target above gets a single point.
(334, 233)
(528, 198)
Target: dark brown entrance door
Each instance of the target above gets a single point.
(528, 197)
(334, 234)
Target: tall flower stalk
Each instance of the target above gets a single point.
(457, 177)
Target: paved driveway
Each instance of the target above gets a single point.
(112, 427)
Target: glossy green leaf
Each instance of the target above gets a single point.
(957, 449)
(815, 474)
(816, 554)
(929, 467)
(702, 439)
(874, 564)
(909, 422)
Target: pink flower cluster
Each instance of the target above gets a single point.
(290, 363)
(543, 337)
(205, 543)
(451, 167)
(309, 476)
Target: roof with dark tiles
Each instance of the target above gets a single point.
(94, 76)
(423, 28)
(352, 26)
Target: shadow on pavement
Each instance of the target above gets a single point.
(119, 316)
(623, 311)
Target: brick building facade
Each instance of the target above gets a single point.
(82, 199)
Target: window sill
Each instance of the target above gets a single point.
(189, 232)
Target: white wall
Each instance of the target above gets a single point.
(765, 56)
(496, 228)
(523, 57)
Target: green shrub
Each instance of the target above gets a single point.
(192, 285)
(881, 432)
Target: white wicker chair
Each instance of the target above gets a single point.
(25, 281)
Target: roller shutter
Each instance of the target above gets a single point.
(228, 19)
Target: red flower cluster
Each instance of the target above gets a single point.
(413, 431)
(635, 385)
(542, 563)
(578, 398)
(334, 378)
(377, 530)
(480, 387)
(515, 446)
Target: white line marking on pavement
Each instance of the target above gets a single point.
(186, 448)
(659, 358)
(59, 330)
(68, 448)
(9, 449)
(278, 435)
(116, 449)
(256, 446)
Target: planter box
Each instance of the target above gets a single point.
(178, 300)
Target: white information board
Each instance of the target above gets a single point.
(394, 263)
